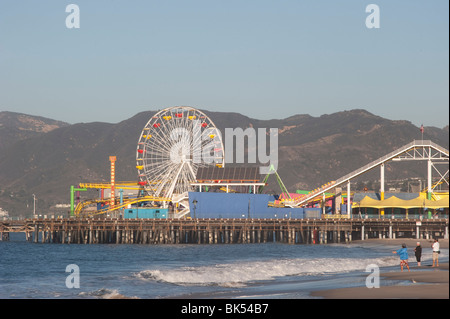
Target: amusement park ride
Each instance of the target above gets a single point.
(176, 142)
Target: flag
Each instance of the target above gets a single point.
(421, 128)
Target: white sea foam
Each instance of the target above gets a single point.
(104, 293)
(241, 273)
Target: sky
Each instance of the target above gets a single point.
(263, 58)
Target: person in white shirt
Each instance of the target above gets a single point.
(436, 252)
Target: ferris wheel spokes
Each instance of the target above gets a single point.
(174, 143)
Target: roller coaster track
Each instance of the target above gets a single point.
(122, 185)
(438, 194)
(423, 149)
(439, 182)
(82, 205)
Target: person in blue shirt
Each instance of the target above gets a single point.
(403, 254)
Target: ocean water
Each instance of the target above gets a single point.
(271, 270)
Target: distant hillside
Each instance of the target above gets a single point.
(16, 127)
(44, 157)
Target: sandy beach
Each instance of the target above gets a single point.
(423, 282)
(410, 243)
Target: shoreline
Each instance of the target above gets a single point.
(410, 242)
(424, 282)
(422, 285)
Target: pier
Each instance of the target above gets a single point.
(218, 231)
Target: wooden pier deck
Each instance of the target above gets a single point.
(218, 231)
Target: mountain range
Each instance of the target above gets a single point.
(45, 157)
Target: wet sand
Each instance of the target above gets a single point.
(423, 282)
(410, 243)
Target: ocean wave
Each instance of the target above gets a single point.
(242, 273)
(104, 293)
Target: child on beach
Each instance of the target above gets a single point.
(403, 254)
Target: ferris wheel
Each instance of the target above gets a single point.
(174, 143)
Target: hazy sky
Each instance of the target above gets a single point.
(265, 59)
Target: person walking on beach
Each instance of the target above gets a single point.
(403, 254)
(418, 253)
(436, 252)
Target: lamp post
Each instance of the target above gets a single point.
(34, 204)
